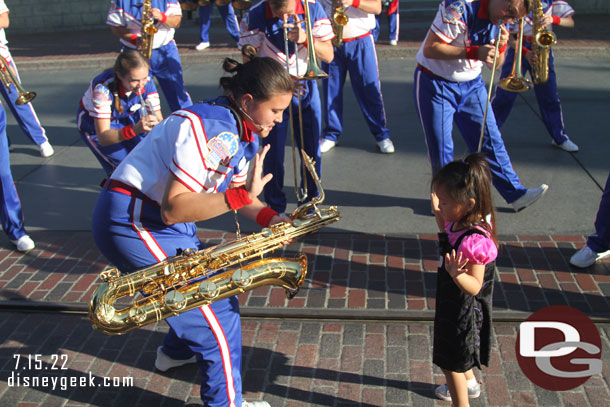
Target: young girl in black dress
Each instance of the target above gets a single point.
(461, 201)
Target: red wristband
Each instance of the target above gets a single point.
(356, 3)
(264, 216)
(556, 20)
(524, 50)
(237, 198)
(127, 132)
(133, 39)
(472, 52)
(163, 18)
(503, 48)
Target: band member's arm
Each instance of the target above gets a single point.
(180, 204)
(436, 48)
(370, 6)
(324, 50)
(107, 136)
(567, 22)
(169, 21)
(123, 33)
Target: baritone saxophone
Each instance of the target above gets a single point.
(200, 277)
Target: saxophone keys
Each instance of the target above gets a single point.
(208, 290)
(241, 278)
(175, 300)
(137, 315)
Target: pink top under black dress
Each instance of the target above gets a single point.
(462, 323)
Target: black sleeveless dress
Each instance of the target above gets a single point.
(462, 324)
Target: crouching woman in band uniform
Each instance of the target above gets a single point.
(111, 119)
(193, 166)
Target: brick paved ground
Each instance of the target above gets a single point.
(288, 363)
(379, 276)
(289, 360)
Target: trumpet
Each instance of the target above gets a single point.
(8, 77)
(516, 82)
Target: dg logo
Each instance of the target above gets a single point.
(559, 348)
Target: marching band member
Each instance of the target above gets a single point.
(24, 114)
(356, 55)
(110, 116)
(11, 214)
(125, 16)
(393, 17)
(556, 12)
(193, 166)
(449, 87)
(263, 28)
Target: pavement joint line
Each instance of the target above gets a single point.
(345, 315)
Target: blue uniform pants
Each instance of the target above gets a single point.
(600, 240)
(165, 66)
(11, 215)
(274, 161)
(393, 24)
(129, 232)
(439, 103)
(546, 95)
(228, 15)
(359, 58)
(24, 114)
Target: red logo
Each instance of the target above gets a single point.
(559, 348)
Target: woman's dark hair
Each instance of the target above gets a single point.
(262, 77)
(470, 178)
(125, 62)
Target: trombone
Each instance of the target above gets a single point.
(8, 77)
(312, 72)
(516, 82)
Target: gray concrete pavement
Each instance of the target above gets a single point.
(376, 193)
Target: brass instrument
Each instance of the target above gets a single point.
(8, 77)
(339, 20)
(541, 45)
(515, 81)
(195, 278)
(313, 70)
(147, 30)
(491, 82)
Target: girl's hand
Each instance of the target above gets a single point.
(454, 264)
(256, 181)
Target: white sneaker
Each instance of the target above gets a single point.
(202, 45)
(46, 150)
(586, 257)
(255, 404)
(24, 244)
(393, 42)
(164, 362)
(567, 145)
(530, 196)
(386, 146)
(326, 145)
